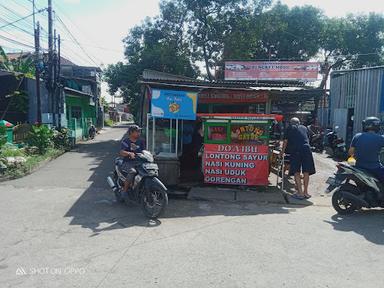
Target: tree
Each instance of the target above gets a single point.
(155, 44)
(20, 67)
(24, 65)
(278, 33)
(210, 23)
(351, 42)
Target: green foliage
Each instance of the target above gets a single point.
(24, 65)
(61, 139)
(19, 101)
(11, 151)
(40, 136)
(3, 136)
(108, 123)
(32, 162)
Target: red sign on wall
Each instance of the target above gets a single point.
(284, 70)
(236, 164)
(232, 96)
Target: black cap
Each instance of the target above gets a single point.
(134, 128)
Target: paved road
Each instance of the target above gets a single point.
(61, 228)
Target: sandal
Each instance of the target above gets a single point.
(307, 196)
(298, 197)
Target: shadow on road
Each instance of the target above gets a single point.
(367, 223)
(97, 210)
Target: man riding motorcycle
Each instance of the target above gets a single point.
(366, 147)
(130, 146)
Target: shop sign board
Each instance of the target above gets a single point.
(236, 164)
(232, 96)
(271, 71)
(173, 104)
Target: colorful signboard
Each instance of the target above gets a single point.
(235, 164)
(173, 104)
(286, 70)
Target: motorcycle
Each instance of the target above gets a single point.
(317, 142)
(147, 190)
(334, 145)
(355, 189)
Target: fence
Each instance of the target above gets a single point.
(20, 132)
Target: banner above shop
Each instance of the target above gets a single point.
(232, 96)
(272, 71)
(172, 104)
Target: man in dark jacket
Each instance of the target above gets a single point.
(130, 146)
(301, 159)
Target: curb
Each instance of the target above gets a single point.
(291, 202)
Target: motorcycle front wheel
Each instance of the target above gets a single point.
(154, 201)
(117, 192)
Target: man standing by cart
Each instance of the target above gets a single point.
(301, 159)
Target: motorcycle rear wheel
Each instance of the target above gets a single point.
(153, 202)
(341, 205)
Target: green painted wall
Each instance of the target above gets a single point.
(79, 126)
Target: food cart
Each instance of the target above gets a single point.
(236, 148)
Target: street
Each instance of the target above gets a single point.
(62, 228)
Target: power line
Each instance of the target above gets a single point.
(16, 42)
(75, 40)
(13, 25)
(20, 19)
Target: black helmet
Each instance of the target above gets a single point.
(371, 124)
(133, 128)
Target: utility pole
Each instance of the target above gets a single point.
(54, 87)
(37, 71)
(50, 79)
(34, 16)
(59, 106)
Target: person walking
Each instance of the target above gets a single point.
(301, 159)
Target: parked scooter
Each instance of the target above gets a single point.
(317, 142)
(147, 190)
(92, 131)
(334, 145)
(355, 189)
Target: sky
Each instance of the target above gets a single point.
(100, 25)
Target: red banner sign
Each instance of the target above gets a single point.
(290, 71)
(236, 164)
(233, 96)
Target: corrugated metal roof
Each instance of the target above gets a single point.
(161, 78)
(158, 75)
(77, 92)
(292, 89)
(358, 69)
